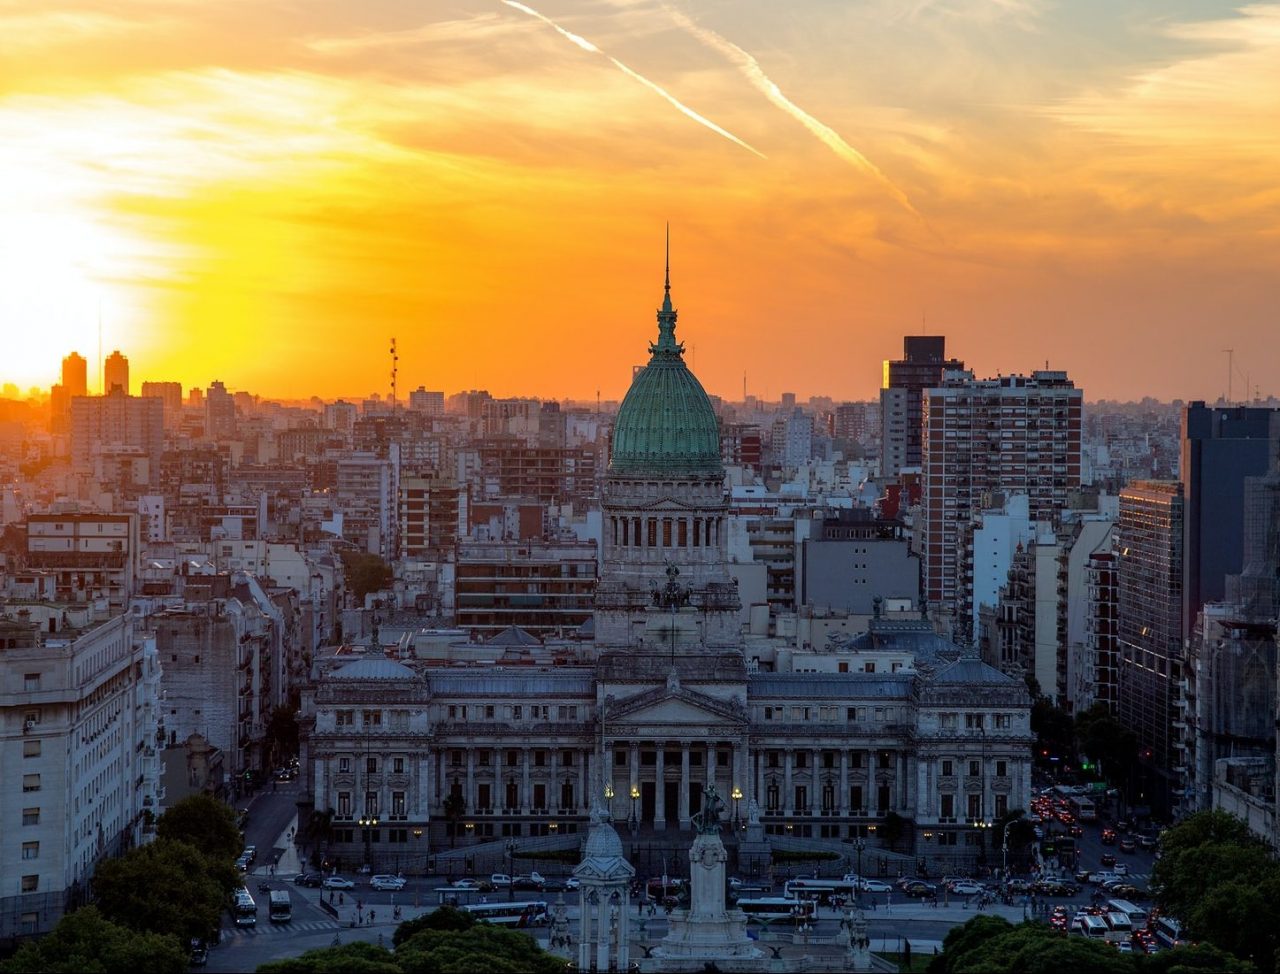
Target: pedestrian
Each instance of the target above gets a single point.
(371, 916)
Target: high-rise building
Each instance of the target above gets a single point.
(116, 424)
(423, 400)
(1221, 446)
(170, 393)
(219, 412)
(115, 373)
(75, 375)
(921, 367)
(1149, 573)
(1012, 434)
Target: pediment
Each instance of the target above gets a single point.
(667, 504)
(675, 706)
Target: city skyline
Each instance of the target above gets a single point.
(228, 188)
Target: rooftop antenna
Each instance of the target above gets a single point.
(1231, 361)
(102, 376)
(394, 368)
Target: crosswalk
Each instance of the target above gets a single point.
(266, 929)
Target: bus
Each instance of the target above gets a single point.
(778, 909)
(1093, 927)
(819, 889)
(1136, 914)
(1083, 808)
(1168, 932)
(243, 910)
(279, 906)
(527, 914)
(1121, 927)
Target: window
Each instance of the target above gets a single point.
(30, 782)
(975, 769)
(948, 807)
(802, 759)
(371, 765)
(869, 666)
(855, 799)
(453, 712)
(31, 717)
(30, 883)
(373, 718)
(566, 759)
(855, 759)
(346, 718)
(948, 768)
(31, 816)
(517, 712)
(1002, 769)
(768, 713)
(513, 758)
(973, 722)
(30, 749)
(884, 759)
(483, 760)
(773, 759)
(722, 759)
(1002, 805)
(397, 765)
(488, 712)
(31, 682)
(455, 758)
(31, 850)
(344, 804)
(397, 804)
(344, 765)
(371, 803)
(540, 760)
(1002, 721)
(948, 721)
(882, 799)
(975, 807)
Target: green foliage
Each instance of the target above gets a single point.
(84, 942)
(1199, 959)
(1053, 728)
(963, 939)
(1107, 741)
(483, 949)
(444, 918)
(366, 573)
(358, 957)
(1021, 832)
(892, 829)
(1033, 948)
(1205, 827)
(203, 822)
(165, 887)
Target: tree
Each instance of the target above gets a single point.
(358, 957)
(1055, 733)
(1033, 948)
(444, 918)
(1197, 959)
(965, 938)
(482, 949)
(166, 887)
(203, 822)
(455, 806)
(1240, 917)
(366, 573)
(1107, 741)
(84, 942)
(1021, 832)
(892, 829)
(1204, 827)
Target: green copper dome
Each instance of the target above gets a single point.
(666, 424)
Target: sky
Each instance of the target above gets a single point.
(266, 191)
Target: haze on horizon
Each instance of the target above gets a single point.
(265, 192)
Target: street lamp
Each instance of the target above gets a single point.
(859, 844)
(736, 795)
(368, 823)
(417, 846)
(982, 824)
(635, 795)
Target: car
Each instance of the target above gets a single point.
(338, 882)
(314, 880)
(1122, 869)
(554, 886)
(1076, 831)
(526, 884)
(1083, 876)
(499, 880)
(572, 883)
(919, 889)
(199, 953)
(1128, 845)
(874, 886)
(1108, 860)
(536, 877)
(966, 888)
(1126, 891)
(466, 882)
(1148, 841)
(385, 881)
(1108, 836)
(1124, 946)
(242, 864)
(251, 851)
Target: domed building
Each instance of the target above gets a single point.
(664, 509)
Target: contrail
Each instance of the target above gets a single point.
(586, 45)
(755, 74)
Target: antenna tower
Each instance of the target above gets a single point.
(395, 358)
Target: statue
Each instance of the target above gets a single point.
(707, 821)
(753, 812)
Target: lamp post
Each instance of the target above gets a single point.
(368, 823)
(608, 797)
(635, 795)
(1004, 862)
(982, 824)
(511, 870)
(860, 844)
(736, 795)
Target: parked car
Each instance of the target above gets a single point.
(554, 886)
(242, 864)
(251, 851)
(465, 883)
(314, 880)
(338, 882)
(526, 884)
(385, 881)
(1122, 869)
(499, 880)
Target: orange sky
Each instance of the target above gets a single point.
(265, 191)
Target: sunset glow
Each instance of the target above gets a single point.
(233, 186)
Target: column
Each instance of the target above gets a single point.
(660, 789)
(471, 781)
(815, 782)
(711, 765)
(684, 784)
(584, 792)
(759, 760)
(633, 804)
(584, 932)
(843, 798)
(526, 793)
(787, 791)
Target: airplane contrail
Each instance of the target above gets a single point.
(755, 74)
(586, 45)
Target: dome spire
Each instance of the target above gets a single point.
(667, 314)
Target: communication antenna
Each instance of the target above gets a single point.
(102, 376)
(394, 368)
(1231, 361)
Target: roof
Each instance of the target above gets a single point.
(513, 636)
(666, 424)
(830, 685)
(971, 669)
(374, 668)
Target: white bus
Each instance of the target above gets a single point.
(243, 910)
(778, 909)
(279, 906)
(519, 914)
(1136, 914)
(1121, 927)
(819, 889)
(1093, 927)
(1083, 809)
(1168, 932)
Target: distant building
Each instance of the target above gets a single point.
(219, 412)
(75, 375)
(902, 395)
(170, 393)
(116, 423)
(432, 513)
(115, 374)
(93, 555)
(545, 588)
(853, 559)
(425, 401)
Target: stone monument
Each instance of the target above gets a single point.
(707, 931)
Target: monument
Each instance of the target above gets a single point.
(707, 931)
